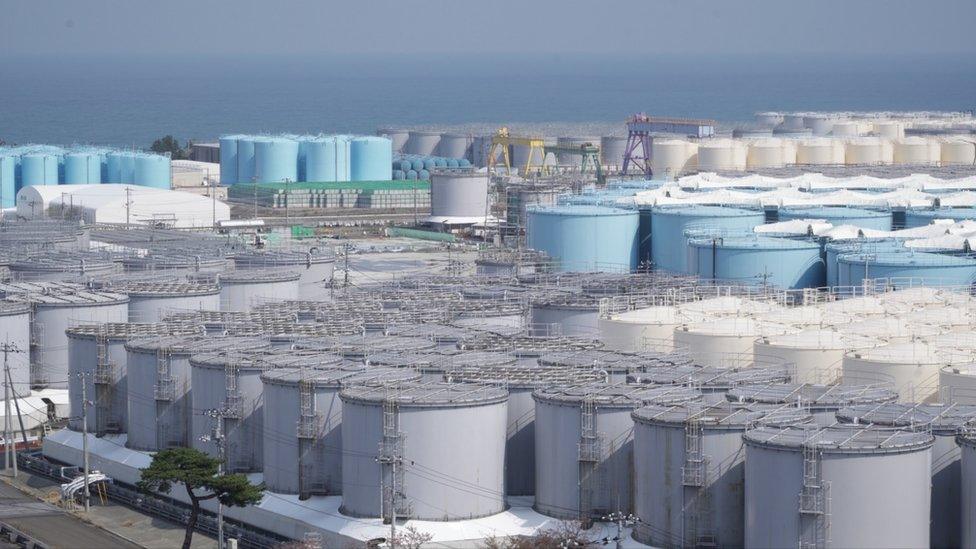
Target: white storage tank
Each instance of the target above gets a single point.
(911, 368)
(462, 195)
(444, 336)
(837, 487)
(54, 310)
(15, 329)
(454, 145)
(822, 401)
(315, 266)
(422, 143)
(892, 328)
(716, 155)
(822, 151)
(583, 446)
(815, 354)
(647, 329)
(945, 422)
(868, 151)
(890, 129)
(57, 267)
(960, 152)
(612, 151)
(725, 342)
(673, 157)
(769, 153)
(917, 150)
(443, 443)
(521, 381)
(398, 138)
(242, 290)
(153, 301)
(564, 314)
(819, 124)
(846, 128)
(302, 423)
(158, 383)
(957, 384)
(769, 119)
(688, 467)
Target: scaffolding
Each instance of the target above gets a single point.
(308, 428)
(694, 479)
(590, 455)
(106, 418)
(814, 501)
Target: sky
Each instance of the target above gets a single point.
(462, 27)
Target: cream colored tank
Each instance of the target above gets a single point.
(816, 354)
(721, 155)
(672, 157)
(823, 151)
(889, 129)
(648, 329)
(726, 342)
(957, 384)
(766, 153)
(867, 151)
(846, 128)
(912, 369)
(917, 150)
(958, 152)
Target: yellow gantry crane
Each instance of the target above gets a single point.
(502, 140)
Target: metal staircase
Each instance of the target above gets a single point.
(590, 454)
(309, 425)
(814, 505)
(103, 378)
(694, 479)
(391, 461)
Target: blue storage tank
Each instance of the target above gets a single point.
(399, 174)
(82, 168)
(780, 262)
(920, 218)
(326, 159)
(113, 170)
(585, 238)
(8, 181)
(423, 175)
(370, 158)
(903, 268)
(127, 171)
(453, 163)
(402, 165)
(417, 164)
(276, 160)
(441, 162)
(464, 163)
(834, 249)
(152, 170)
(866, 219)
(669, 244)
(245, 159)
(411, 174)
(229, 159)
(38, 169)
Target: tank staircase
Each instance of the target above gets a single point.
(37, 374)
(696, 509)
(391, 461)
(590, 454)
(104, 380)
(309, 425)
(164, 392)
(814, 505)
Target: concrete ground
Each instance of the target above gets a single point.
(107, 525)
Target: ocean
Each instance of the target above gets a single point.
(130, 101)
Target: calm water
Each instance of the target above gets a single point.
(125, 101)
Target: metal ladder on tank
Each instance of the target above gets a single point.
(164, 392)
(694, 480)
(590, 454)
(309, 424)
(391, 462)
(104, 380)
(232, 412)
(814, 505)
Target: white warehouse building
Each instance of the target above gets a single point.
(107, 204)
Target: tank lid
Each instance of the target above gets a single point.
(129, 330)
(339, 376)
(441, 333)
(165, 289)
(187, 344)
(13, 308)
(522, 377)
(257, 276)
(938, 417)
(526, 345)
(720, 415)
(840, 439)
(302, 359)
(696, 210)
(579, 210)
(916, 352)
(712, 379)
(821, 339)
(358, 345)
(473, 359)
(812, 396)
(62, 296)
(598, 359)
(620, 395)
(285, 258)
(405, 359)
(435, 394)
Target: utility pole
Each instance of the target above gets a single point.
(217, 437)
(345, 268)
(128, 202)
(84, 433)
(213, 200)
(9, 452)
(287, 181)
(254, 186)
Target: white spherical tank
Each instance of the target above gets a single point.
(917, 150)
(15, 329)
(816, 355)
(647, 329)
(722, 155)
(823, 151)
(910, 368)
(446, 439)
(958, 152)
(459, 195)
(834, 487)
(673, 157)
(867, 151)
(583, 446)
(726, 342)
(242, 290)
(688, 466)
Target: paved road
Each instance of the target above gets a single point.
(53, 526)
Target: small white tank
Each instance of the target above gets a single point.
(816, 354)
(889, 129)
(822, 151)
(911, 368)
(819, 124)
(917, 150)
(716, 155)
(769, 119)
(867, 151)
(957, 384)
(672, 157)
(958, 152)
(767, 153)
(846, 128)
(891, 329)
(726, 342)
(648, 329)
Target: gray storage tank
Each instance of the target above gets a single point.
(54, 310)
(688, 466)
(841, 486)
(153, 301)
(442, 445)
(444, 336)
(565, 314)
(15, 330)
(302, 423)
(158, 383)
(945, 422)
(714, 383)
(612, 365)
(241, 290)
(520, 381)
(967, 443)
(583, 452)
(56, 267)
(314, 265)
(822, 401)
